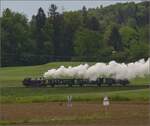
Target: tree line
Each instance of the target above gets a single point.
(117, 32)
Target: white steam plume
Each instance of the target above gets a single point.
(112, 69)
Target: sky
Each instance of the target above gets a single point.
(30, 7)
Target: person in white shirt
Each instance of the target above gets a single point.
(106, 103)
(69, 98)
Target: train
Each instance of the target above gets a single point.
(43, 82)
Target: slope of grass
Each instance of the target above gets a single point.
(141, 80)
(13, 76)
(12, 90)
(29, 95)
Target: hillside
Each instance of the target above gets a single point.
(13, 76)
(117, 32)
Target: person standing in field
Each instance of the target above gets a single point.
(106, 103)
(69, 104)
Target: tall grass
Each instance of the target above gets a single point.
(21, 95)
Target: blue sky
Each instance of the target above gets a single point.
(30, 7)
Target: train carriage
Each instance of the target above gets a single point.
(42, 82)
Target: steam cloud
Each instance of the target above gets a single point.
(112, 69)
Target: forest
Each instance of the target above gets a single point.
(117, 32)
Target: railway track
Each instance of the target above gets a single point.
(87, 86)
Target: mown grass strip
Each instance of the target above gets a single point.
(124, 95)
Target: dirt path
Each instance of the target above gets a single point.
(82, 113)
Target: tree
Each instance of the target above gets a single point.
(14, 38)
(40, 19)
(93, 24)
(129, 36)
(52, 12)
(144, 33)
(86, 43)
(138, 51)
(112, 38)
(84, 16)
(57, 24)
(39, 37)
(119, 32)
(48, 44)
(72, 22)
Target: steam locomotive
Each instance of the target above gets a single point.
(42, 82)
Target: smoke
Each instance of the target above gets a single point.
(112, 70)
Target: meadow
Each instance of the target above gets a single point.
(35, 106)
(12, 90)
(13, 76)
(31, 95)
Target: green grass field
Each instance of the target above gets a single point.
(13, 76)
(31, 95)
(12, 90)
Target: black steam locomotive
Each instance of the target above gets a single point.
(42, 82)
